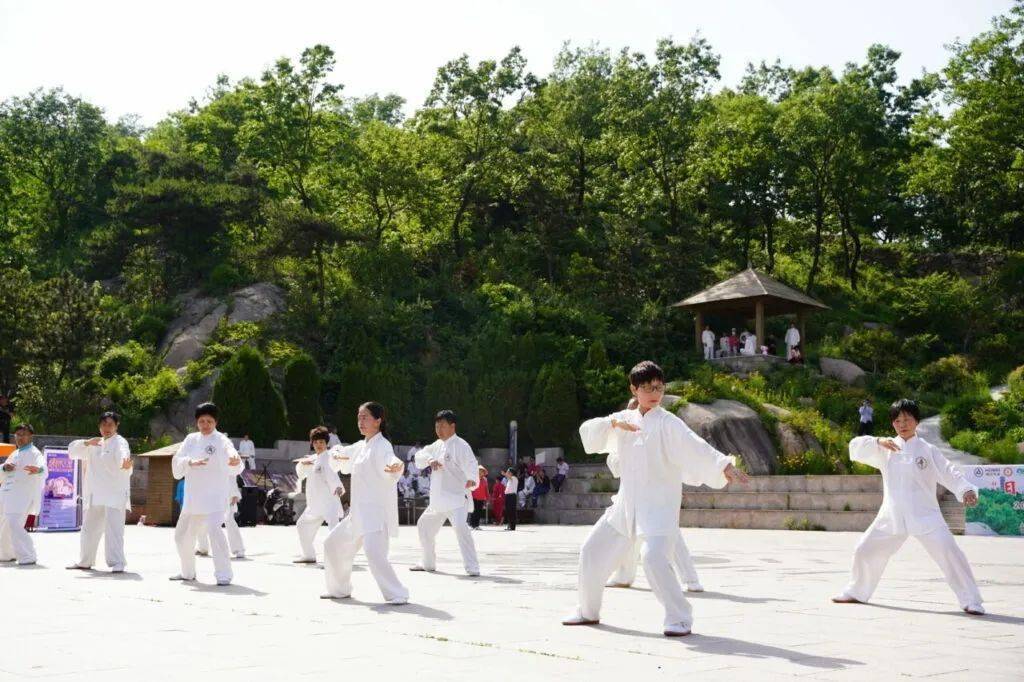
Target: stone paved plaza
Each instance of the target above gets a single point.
(765, 616)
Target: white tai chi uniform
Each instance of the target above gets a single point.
(322, 504)
(625, 574)
(654, 463)
(106, 495)
(247, 451)
(749, 345)
(235, 544)
(707, 338)
(21, 494)
(448, 499)
(372, 520)
(206, 493)
(792, 340)
(910, 507)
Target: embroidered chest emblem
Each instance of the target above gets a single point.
(921, 463)
(210, 450)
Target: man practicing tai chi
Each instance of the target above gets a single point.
(22, 478)
(455, 471)
(106, 486)
(323, 493)
(656, 453)
(910, 468)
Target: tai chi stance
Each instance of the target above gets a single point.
(455, 471)
(323, 493)
(106, 487)
(373, 514)
(910, 468)
(22, 478)
(656, 453)
(206, 460)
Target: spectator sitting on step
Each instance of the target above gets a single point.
(561, 473)
(797, 356)
(423, 483)
(526, 491)
(542, 484)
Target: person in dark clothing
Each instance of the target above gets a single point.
(511, 499)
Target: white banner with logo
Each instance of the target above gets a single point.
(1000, 509)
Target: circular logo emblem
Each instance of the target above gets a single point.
(921, 463)
(1007, 471)
(979, 471)
(210, 449)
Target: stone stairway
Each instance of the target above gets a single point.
(835, 503)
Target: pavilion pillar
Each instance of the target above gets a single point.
(698, 327)
(759, 322)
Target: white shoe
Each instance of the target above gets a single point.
(694, 587)
(613, 583)
(975, 609)
(677, 630)
(239, 555)
(331, 596)
(223, 583)
(398, 601)
(844, 598)
(417, 567)
(117, 569)
(27, 563)
(580, 620)
(473, 574)
(200, 552)
(182, 578)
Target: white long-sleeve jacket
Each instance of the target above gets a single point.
(653, 464)
(321, 477)
(207, 488)
(20, 491)
(909, 501)
(458, 467)
(105, 483)
(792, 336)
(707, 337)
(374, 502)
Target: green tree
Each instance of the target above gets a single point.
(554, 415)
(302, 396)
(248, 400)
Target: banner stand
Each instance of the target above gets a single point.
(60, 510)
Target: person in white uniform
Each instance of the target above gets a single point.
(792, 340)
(247, 451)
(682, 562)
(749, 344)
(656, 453)
(106, 494)
(373, 513)
(911, 468)
(323, 493)
(707, 339)
(205, 460)
(234, 534)
(22, 478)
(455, 471)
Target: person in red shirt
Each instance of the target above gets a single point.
(480, 495)
(498, 501)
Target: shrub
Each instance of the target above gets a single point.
(969, 441)
(956, 414)
(129, 358)
(149, 329)
(554, 416)
(354, 389)
(1015, 383)
(878, 349)
(223, 278)
(447, 389)
(1002, 451)
(499, 398)
(248, 400)
(302, 396)
(808, 463)
(950, 375)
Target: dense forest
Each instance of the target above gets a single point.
(513, 245)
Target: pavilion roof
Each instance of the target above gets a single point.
(745, 288)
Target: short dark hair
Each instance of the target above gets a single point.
(24, 426)
(447, 415)
(111, 415)
(320, 433)
(644, 373)
(904, 406)
(206, 409)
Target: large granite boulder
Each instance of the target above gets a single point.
(733, 428)
(191, 331)
(843, 370)
(792, 441)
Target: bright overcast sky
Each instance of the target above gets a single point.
(149, 58)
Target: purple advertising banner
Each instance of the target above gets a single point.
(59, 510)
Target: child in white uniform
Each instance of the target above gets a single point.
(323, 493)
(910, 468)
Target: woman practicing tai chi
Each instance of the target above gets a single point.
(373, 514)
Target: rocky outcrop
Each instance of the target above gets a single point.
(792, 441)
(191, 331)
(843, 370)
(733, 428)
(178, 419)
